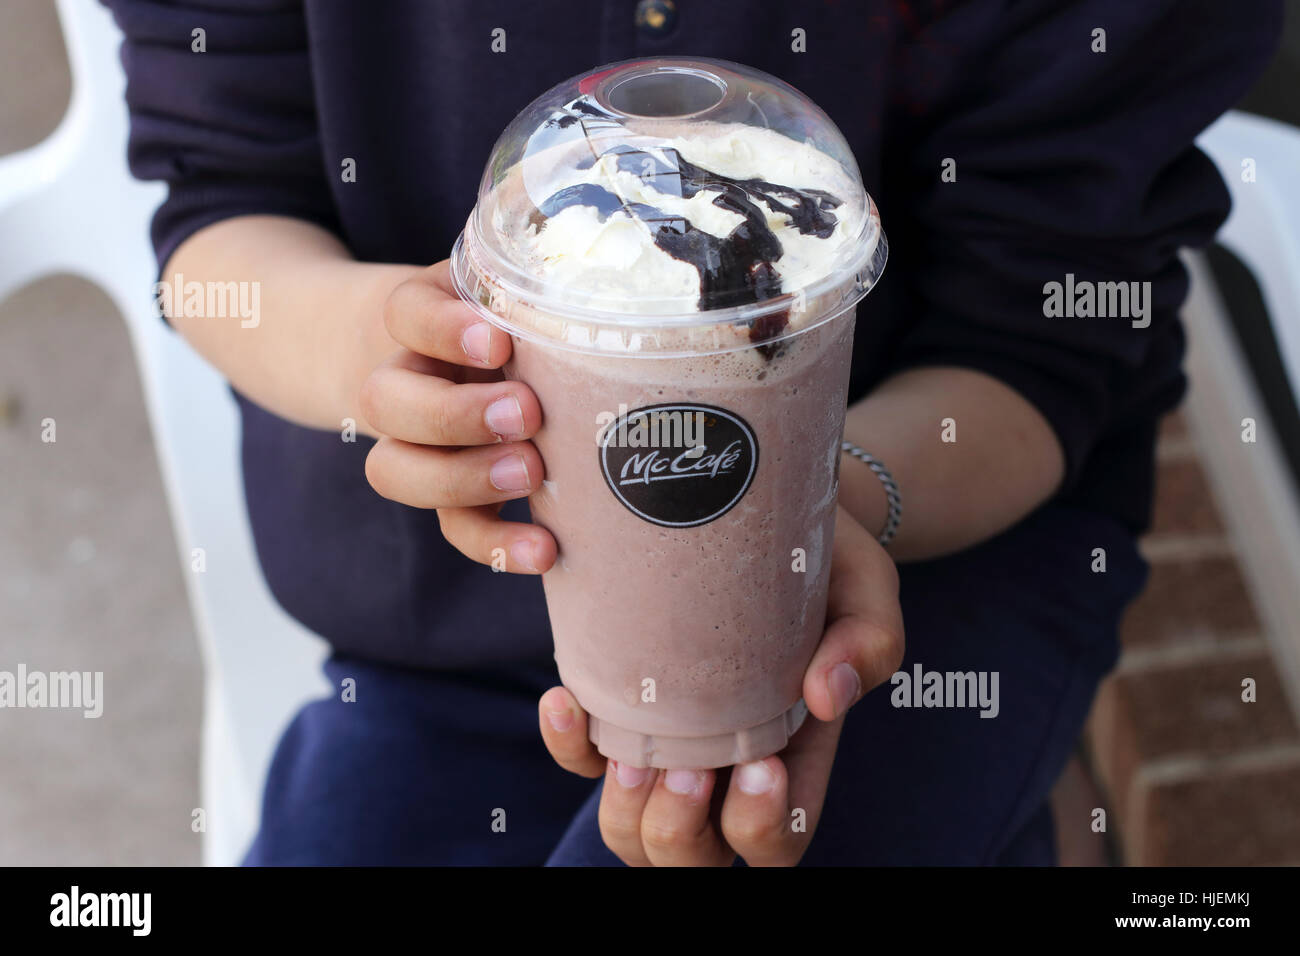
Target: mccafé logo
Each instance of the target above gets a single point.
(696, 477)
(689, 464)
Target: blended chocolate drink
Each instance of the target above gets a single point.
(677, 248)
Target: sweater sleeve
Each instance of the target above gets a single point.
(1071, 159)
(226, 117)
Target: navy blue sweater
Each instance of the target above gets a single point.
(1068, 161)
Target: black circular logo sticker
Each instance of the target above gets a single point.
(678, 465)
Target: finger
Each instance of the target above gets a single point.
(428, 410)
(424, 315)
(773, 806)
(755, 817)
(806, 762)
(676, 829)
(863, 643)
(481, 535)
(424, 476)
(755, 814)
(808, 758)
(564, 731)
(622, 803)
(439, 274)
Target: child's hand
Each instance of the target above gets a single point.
(679, 817)
(453, 432)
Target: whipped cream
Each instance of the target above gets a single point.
(603, 241)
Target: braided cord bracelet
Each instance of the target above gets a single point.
(892, 493)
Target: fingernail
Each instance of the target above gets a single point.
(561, 720)
(477, 341)
(505, 417)
(509, 474)
(755, 778)
(843, 684)
(684, 782)
(521, 553)
(630, 777)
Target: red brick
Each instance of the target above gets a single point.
(1187, 711)
(1196, 709)
(1242, 818)
(1184, 503)
(1190, 597)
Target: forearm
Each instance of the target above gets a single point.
(319, 327)
(320, 331)
(1004, 462)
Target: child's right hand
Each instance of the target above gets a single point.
(453, 432)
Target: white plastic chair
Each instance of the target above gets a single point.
(1263, 229)
(69, 205)
(1258, 495)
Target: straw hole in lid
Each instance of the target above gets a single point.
(665, 91)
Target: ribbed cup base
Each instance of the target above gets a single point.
(696, 753)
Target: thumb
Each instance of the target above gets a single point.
(863, 643)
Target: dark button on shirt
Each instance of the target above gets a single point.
(656, 18)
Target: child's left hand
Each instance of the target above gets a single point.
(670, 817)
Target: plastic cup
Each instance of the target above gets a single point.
(677, 248)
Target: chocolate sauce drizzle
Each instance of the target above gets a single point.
(735, 269)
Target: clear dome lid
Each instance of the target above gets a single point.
(668, 193)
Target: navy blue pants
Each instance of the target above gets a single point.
(449, 768)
